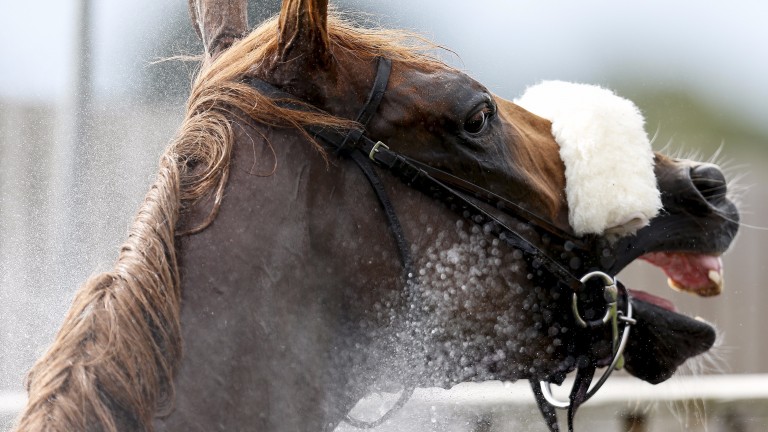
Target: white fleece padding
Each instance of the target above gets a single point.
(610, 184)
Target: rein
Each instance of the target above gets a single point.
(466, 197)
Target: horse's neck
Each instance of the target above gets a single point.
(274, 292)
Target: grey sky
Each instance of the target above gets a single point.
(714, 48)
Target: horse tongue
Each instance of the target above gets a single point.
(695, 273)
(652, 299)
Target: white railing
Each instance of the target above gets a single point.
(10, 405)
(732, 403)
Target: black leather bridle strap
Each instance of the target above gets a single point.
(352, 138)
(383, 70)
(584, 376)
(548, 411)
(501, 203)
(389, 211)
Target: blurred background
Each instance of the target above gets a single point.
(86, 109)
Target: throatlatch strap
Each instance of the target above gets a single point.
(383, 69)
(389, 211)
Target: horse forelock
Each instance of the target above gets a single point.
(112, 363)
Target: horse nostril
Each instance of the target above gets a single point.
(709, 181)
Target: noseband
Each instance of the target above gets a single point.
(490, 210)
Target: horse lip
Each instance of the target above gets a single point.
(663, 338)
(653, 355)
(670, 234)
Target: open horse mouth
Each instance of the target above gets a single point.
(663, 338)
(615, 184)
(700, 274)
(686, 242)
(696, 273)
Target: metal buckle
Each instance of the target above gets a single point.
(375, 150)
(619, 342)
(610, 293)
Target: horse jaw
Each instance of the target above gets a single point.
(471, 317)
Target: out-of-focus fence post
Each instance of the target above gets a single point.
(634, 422)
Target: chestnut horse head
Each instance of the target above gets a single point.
(341, 213)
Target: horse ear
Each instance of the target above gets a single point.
(303, 48)
(219, 23)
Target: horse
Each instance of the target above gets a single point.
(341, 213)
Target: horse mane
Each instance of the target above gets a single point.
(113, 361)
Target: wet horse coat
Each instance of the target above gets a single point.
(288, 292)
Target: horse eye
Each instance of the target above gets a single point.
(476, 123)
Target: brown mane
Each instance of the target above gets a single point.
(113, 361)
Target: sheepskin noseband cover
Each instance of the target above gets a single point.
(610, 184)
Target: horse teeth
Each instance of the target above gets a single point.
(713, 289)
(716, 277)
(672, 284)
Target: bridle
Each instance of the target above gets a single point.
(487, 209)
